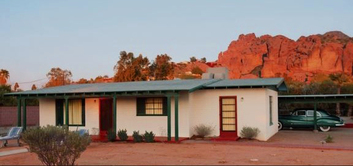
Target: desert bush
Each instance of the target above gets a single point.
(149, 136)
(203, 130)
(249, 132)
(55, 145)
(111, 135)
(136, 136)
(122, 134)
(329, 139)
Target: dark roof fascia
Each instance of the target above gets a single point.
(97, 94)
(329, 98)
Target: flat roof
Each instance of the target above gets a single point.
(321, 98)
(151, 87)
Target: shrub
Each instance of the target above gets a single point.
(122, 134)
(56, 145)
(249, 132)
(329, 139)
(203, 130)
(149, 136)
(137, 137)
(111, 135)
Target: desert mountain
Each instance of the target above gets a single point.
(279, 56)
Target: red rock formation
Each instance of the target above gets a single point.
(267, 56)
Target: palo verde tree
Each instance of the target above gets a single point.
(58, 77)
(130, 68)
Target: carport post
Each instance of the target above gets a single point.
(315, 117)
(67, 111)
(24, 115)
(169, 123)
(18, 112)
(176, 105)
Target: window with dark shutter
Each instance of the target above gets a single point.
(76, 112)
(156, 106)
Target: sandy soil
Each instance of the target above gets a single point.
(242, 152)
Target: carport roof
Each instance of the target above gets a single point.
(150, 87)
(326, 98)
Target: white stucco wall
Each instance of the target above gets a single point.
(127, 119)
(46, 112)
(92, 115)
(199, 107)
(252, 111)
(272, 129)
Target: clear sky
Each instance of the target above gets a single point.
(86, 36)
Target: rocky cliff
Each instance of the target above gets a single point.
(279, 56)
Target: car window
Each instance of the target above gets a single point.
(301, 112)
(311, 113)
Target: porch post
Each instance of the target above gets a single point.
(67, 111)
(114, 113)
(176, 104)
(169, 123)
(24, 115)
(315, 117)
(18, 112)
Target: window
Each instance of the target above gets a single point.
(300, 113)
(311, 113)
(270, 103)
(151, 106)
(76, 112)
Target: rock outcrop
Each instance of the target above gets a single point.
(279, 56)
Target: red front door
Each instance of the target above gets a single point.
(105, 116)
(228, 116)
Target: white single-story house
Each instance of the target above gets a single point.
(170, 108)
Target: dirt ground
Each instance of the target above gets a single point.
(288, 147)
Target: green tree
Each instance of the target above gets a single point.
(129, 68)
(203, 60)
(82, 81)
(6, 101)
(196, 70)
(162, 68)
(34, 87)
(339, 79)
(58, 77)
(193, 59)
(348, 89)
(4, 76)
(16, 86)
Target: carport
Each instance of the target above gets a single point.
(315, 99)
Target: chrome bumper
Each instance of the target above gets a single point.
(340, 124)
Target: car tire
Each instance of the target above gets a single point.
(280, 125)
(325, 128)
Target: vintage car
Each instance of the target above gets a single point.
(303, 118)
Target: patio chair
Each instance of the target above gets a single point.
(13, 134)
(82, 132)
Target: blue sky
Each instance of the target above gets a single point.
(86, 36)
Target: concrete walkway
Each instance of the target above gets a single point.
(11, 152)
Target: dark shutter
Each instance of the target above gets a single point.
(59, 112)
(140, 106)
(165, 109)
(83, 112)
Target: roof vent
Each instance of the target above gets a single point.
(207, 76)
(216, 73)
